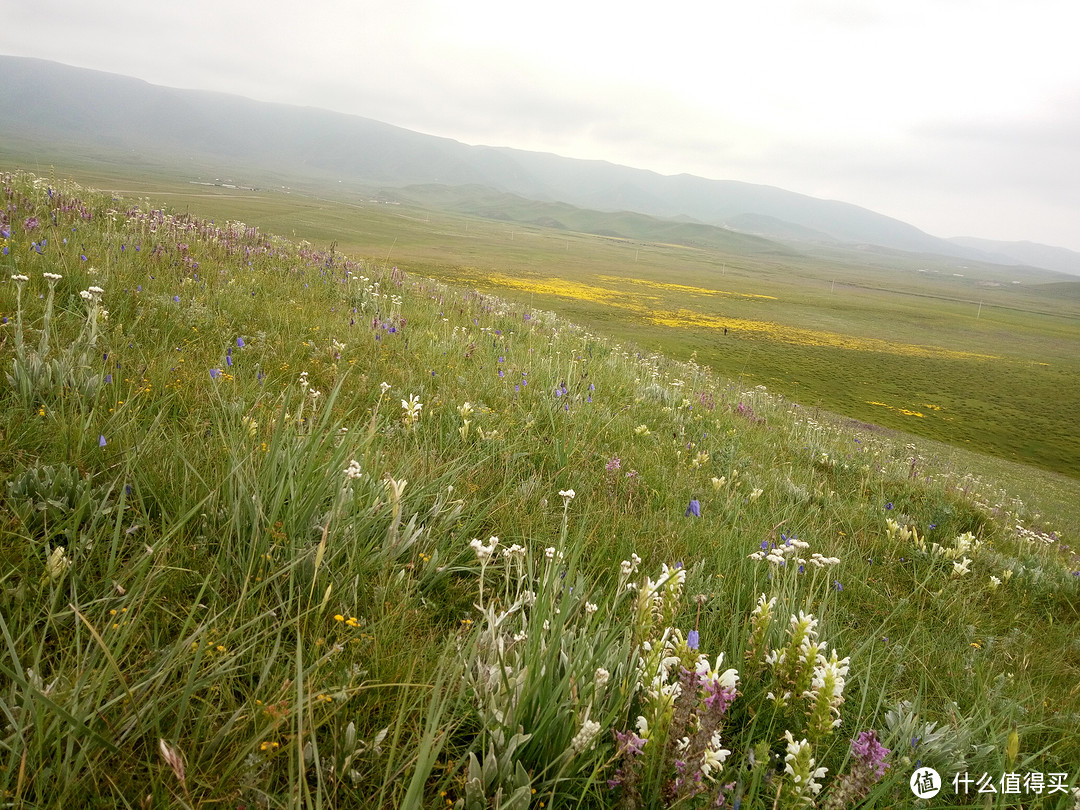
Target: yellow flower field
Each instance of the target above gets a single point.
(806, 337)
(644, 307)
(657, 285)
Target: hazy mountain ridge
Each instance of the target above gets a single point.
(1031, 253)
(484, 202)
(57, 104)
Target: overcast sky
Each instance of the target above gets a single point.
(961, 117)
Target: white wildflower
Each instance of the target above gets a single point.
(410, 410)
(484, 552)
(395, 488)
(714, 757)
(798, 756)
(728, 679)
(57, 564)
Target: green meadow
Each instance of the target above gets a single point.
(939, 348)
(319, 502)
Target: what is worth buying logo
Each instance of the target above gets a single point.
(925, 783)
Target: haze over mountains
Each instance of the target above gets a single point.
(52, 107)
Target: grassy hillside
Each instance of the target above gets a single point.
(487, 204)
(978, 356)
(283, 527)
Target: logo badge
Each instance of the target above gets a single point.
(925, 783)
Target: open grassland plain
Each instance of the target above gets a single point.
(283, 527)
(984, 357)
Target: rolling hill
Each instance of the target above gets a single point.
(52, 108)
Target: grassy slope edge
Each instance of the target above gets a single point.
(247, 550)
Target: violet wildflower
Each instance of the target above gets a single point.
(694, 508)
(215, 373)
(629, 746)
(240, 342)
(872, 753)
(867, 767)
(693, 640)
(101, 441)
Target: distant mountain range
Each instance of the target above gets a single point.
(54, 106)
(1026, 253)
